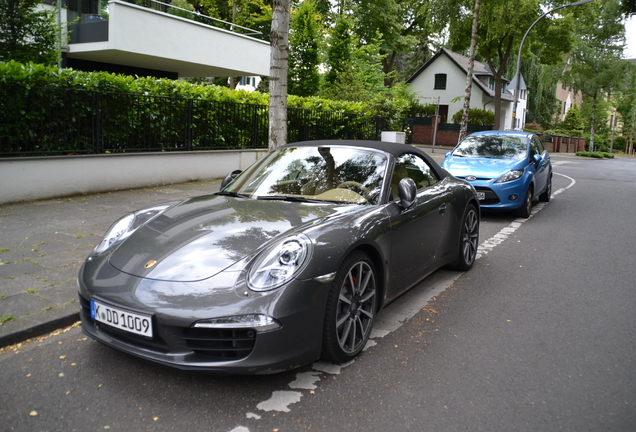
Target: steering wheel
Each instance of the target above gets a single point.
(364, 189)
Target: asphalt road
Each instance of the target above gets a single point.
(539, 335)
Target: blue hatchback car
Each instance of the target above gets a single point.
(508, 169)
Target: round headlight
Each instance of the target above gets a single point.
(278, 264)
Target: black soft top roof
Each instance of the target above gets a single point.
(394, 149)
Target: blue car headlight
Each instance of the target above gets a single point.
(279, 263)
(127, 225)
(509, 176)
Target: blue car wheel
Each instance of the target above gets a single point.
(526, 208)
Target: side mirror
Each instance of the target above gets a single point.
(406, 192)
(537, 159)
(229, 179)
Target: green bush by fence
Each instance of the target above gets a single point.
(49, 111)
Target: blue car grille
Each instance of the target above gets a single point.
(491, 197)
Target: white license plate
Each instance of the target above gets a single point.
(131, 322)
(481, 196)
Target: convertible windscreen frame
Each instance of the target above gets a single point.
(338, 174)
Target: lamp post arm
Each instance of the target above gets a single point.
(523, 40)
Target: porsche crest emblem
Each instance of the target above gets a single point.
(150, 264)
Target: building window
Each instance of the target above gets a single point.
(440, 81)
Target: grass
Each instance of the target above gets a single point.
(6, 318)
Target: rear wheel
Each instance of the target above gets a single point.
(350, 309)
(526, 208)
(545, 196)
(469, 240)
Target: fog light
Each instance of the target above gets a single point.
(513, 197)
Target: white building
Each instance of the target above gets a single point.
(153, 40)
(444, 77)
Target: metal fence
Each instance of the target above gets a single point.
(44, 121)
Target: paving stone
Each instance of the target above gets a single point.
(60, 294)
(22, 304)
(20, 284)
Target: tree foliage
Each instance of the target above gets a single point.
(27, 33)
(304, 51)
(596, 65)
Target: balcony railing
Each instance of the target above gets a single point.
(94, 28)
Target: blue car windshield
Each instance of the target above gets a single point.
(333, 174)
(492, 146)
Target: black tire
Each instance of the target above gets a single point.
(526, 208)
(350, 311)
(468, 240)
(545, 196)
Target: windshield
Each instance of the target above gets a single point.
(337, 174)
(492, 146)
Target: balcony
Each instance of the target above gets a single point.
(163, 38)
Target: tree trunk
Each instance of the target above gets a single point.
(469, 77)
(279, 39)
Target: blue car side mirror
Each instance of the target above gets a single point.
(537, 159)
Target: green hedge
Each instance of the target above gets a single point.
(596, 154)
(47, 110)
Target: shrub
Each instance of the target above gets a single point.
(476, 116)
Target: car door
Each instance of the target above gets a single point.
(542, 171)
(416, 232)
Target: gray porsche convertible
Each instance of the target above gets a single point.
(288, 263)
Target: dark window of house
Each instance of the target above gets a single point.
(440, 81)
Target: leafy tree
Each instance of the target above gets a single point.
(596, 65)
(339, 49)
(502, 24)
(359, 79)
(573, 120)
(397, 26)
(28, 33)
(304, 37)
(253, 14)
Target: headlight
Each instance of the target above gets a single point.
(279, 263)
(509, 176)
(127, 225)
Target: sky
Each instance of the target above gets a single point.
(630, 36)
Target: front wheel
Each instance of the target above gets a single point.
(526, 208)
(469, 240)
(350, 311)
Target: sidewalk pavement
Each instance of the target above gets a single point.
(44, 243)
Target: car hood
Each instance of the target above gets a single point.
(481, 167)
(202, 236)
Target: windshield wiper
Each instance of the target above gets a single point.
(292, 198)
(233, 194)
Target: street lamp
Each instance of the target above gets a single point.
(517, 74)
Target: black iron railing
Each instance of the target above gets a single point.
(44, 121)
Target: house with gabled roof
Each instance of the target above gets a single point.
(443, 79)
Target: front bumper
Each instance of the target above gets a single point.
(298, 306)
